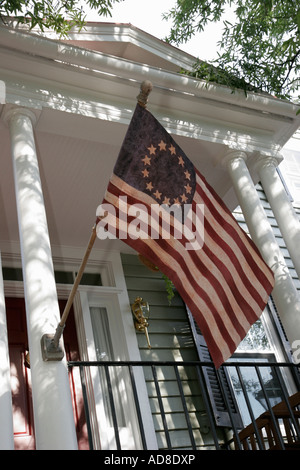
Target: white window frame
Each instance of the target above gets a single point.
(128, 436)
(114, 298)
(276, 350)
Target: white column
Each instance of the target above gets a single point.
(284, 293)
(6, 413)
(2, 92)
(53, 413)
(282, 208)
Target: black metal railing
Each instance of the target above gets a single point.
(236, 386)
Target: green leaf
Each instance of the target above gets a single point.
(298, 19)
(259, 49)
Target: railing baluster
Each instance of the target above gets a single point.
(276, 427)
(286, 399)
(228, 407)
(161, 407)
(130, 365)
(138, 409)
(112, 405)
(185, 410)
(258, 436)
(86, 407)
(207, 405)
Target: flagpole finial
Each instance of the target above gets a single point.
(146, 88)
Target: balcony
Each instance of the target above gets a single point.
(196, 407)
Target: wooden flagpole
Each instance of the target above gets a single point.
(51, 350)
(72, 294)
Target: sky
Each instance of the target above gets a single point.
(147, 15)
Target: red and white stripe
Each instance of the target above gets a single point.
(225, 283)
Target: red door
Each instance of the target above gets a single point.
(20, 377)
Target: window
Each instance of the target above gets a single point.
(61, 277)
(104, 352)
(111, 400)
(249, 383)
(263, 344)
(256, 339)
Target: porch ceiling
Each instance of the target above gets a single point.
(76, 158)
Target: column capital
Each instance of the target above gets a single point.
(233, 154)
(14, 111)
(267, 161)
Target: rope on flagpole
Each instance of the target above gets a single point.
(51, 349)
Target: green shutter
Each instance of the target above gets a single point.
(218, 384)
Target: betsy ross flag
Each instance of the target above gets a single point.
(159, 204)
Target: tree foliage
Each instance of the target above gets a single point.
(259, 49)
(59, 15)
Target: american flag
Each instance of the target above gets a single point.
(220, 275)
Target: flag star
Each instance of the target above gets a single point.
(162, 145)
(157, 194)
(149, 186)
(146, 160)
(180, 161)
(183, 198)
(176, 201)
(172, 150)
(187, 175)
(152, 150)
(188, 189)
(145, 173)
(166, 201)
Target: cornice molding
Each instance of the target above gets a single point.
(75, 101)
(122, 33)
(69, 55)
(92, 84)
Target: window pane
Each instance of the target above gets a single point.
(253, 387)
(256, 339)
(103, 343)
(64, 277)
(91, 279)
(12, 274)
(104, 352)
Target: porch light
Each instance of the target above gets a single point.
(141, 311)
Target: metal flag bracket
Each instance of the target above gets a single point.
(52, 348)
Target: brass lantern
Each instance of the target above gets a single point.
(141, 312)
